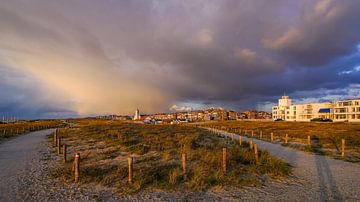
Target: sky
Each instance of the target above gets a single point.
(88, 57)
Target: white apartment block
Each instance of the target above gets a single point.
(346, 110)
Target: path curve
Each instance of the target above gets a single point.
(16, 164)
(315, 177)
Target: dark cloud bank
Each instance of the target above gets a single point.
(239, 54)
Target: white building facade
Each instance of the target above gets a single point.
(346, 110)
(137, 115)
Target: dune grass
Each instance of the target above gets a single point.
(157, 149)
(14, 129)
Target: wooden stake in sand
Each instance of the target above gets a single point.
(251, 144)
(55, 137)
(64, 152)
(224, 159)
(240, 140)
(256, 153)
(272, 137)
(59, 146)
(183, 158)
(343, 148)
(286, 138)
(131, 167)
(76, 166)
(308, 140)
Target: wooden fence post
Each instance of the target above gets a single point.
(59, 146)
(240, 140)
(286, 138)
(256, 153)
(251, 144)
(64, 152)
(183, 158)
(252, 133)
(55, 138)
(308, 140)
(343, 148)
(272, 137)
(224, 159)
(76, 166)
(131, 166)
(260, 134)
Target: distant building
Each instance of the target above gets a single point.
(346, 110)
(137, 115)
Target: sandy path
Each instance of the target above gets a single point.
(316, 177)
(16, 164)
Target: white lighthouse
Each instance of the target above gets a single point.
(137, 115)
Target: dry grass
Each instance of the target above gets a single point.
(14, 129)
(105, 146)
(327, 135)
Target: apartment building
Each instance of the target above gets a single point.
(346, 110)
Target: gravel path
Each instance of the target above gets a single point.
(315, 177)
(24, 165)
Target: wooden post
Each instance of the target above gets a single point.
(59, 146)
(251, 144)
(131, 166)
(308, 140)
(55, 138)
(240, 140)
(286, 138)
(252, 133)
(256, 153)
(183, 158)
(260, 134)
(272, 137)
(343, 148)
(64, 153)
(224, 159)
(76, 166)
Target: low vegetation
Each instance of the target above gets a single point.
(14, 129)
(325, 137)
(105, 145)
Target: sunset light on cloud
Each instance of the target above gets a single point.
(78, 58)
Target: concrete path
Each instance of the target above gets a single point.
(16, 164)
(316, 177)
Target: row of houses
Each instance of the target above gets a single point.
(344, 110)
(216, 114)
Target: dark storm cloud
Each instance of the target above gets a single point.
(22, 97)
(232, 53)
